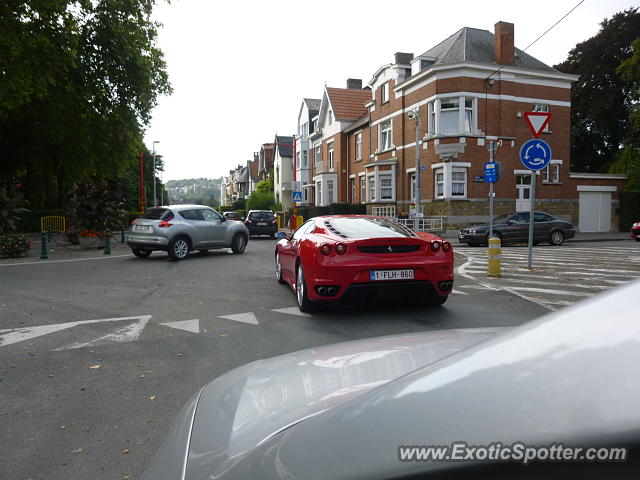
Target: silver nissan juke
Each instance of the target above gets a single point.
(179, 229)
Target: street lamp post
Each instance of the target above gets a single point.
(415, 115)
(155, 200)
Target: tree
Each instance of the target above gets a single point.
(601, 104)
(261, 200)
(79, 81)
(629, 71)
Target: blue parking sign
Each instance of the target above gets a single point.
(490, 172)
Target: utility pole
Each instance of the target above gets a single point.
(415, 115)
(295, 167)
(155, 199)
(142, 183)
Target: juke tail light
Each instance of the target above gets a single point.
(165, 223)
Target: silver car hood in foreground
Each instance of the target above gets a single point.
(248, 406)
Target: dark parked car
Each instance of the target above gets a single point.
(345, 411)
(514, 228)
(262, 222)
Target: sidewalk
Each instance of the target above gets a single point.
(59, 250)
(580, 237)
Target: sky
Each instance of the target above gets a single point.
(240, 69)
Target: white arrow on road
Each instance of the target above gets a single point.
(130, 333)
(248, 317)
(15, 335)
(192, 326)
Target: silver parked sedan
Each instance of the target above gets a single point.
(179, 229)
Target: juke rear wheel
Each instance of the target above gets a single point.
(238, 243)
(179, 248)
(141, 252)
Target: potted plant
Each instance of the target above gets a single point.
(96, 206)
(12, 243)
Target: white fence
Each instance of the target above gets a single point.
(422, 224)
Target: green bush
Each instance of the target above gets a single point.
(261, 200)
(629, 210)
(333, 209)
(14, 245)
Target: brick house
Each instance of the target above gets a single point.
(340, 108)
(265, 160)
(309, 110)
(470, 90)
(283, 170)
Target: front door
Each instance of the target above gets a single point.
(523, 193)
(214, 229)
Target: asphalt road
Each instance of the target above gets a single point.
(85, 397)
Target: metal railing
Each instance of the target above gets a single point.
(422, 224)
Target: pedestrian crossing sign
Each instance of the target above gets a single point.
(296, 196)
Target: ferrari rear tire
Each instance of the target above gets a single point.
(304, 304)
(436, 301)
(279, 270)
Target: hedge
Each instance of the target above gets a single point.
(629, 210)
(332, 209)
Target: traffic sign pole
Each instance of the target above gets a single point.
(531, 219)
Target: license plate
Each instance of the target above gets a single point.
(142, 228)
(377, 275)
(262, 223)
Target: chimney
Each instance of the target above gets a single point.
(403, 58)
(505, 53)
(354, 83)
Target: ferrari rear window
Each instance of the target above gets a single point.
(368, 228)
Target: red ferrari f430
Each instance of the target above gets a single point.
(334, 258)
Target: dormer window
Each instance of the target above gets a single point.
(424, 63)
(384, 93)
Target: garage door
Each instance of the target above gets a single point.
(595, 211)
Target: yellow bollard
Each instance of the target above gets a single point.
(278, 218)
(494, 257)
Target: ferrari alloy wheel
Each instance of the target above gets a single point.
(304, 304)
(279, 269)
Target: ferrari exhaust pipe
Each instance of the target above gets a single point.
(331, 291)
(322, 291)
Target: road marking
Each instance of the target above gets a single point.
(458, 291)
(248, 317)
(48, 262)
(21, 334)
(130, 333)
(291, 311)
(549, 291)
(192, 326)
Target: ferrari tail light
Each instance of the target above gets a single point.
(446, 246)
(340, 248)
(165, 224)
(325, 248)
(435, 246)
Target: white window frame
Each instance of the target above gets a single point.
(387, 143)
(330, 191)
(551, 173)
(305, 159)
(436, 182)
(435, 116)
(412, 187)
(363, 189)
(446, 169)
(318, 193)
(383, 176)
(541, 107)
(463, 183)
(359, 146)
(384, 211)
(317, 157)
(384, 93)
(352, 185)
(371, 187)
(330, 155)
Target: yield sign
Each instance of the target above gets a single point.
(537, 121)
